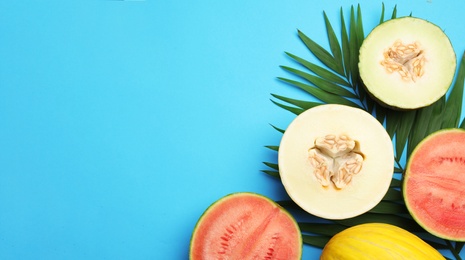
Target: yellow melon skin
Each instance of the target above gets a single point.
(377, 241)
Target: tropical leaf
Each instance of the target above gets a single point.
(360, 31)
(354, 51)
(272, 173)
(393, 195)
(405, 124)
(321, 83)
(453, 108)
(278, 129)
(459, 246)
(388, 207)
(428, 120)
(338, 81)
(397, 220)
(396, 183)
(327, 229)
(272, 147)
(294, 110)
(304, 105)
(345, 44)
(320, 53)
(394, 12)
(453, 250)
(334, 46)
(381, 19)
(317, 241)
(273, 166)
(320, 71)
(320, 94)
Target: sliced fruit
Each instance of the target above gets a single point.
(407, 63)
(377, 241)
(434, 184)
(246, 226)
(336, 161)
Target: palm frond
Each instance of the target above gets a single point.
(338, 81)
(320, 71)
(453, 108)
(322, 83)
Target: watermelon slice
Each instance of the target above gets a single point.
(246, 226)
(434, 184)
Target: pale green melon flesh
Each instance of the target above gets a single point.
(434, 184)
(389, 88)
(246, 226)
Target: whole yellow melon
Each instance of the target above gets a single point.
(377, 241)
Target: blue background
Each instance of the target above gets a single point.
(122, 121)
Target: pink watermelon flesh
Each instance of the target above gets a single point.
(246, 226)
(434, 187)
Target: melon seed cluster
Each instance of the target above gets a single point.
(406, 59)
(334, 160)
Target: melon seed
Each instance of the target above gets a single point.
(334, 160)
(407, 60)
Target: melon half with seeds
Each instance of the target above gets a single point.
(246, 226)
(336, 161)
(407, 63)
(434, 184)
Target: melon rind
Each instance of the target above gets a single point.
(366, 189)
(435, 196)
(389, 89)
(251, 207)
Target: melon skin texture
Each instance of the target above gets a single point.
(246, 225)
(407, 81)
(377, 241)
(434, 184)
(301, 174)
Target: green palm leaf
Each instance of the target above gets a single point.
(396, 183)
(321, 83)
(320, 71)
(278, 129)
(405, 124)
(427, 121)
(354, 45)
(453, 109)
(272, 147)
(271, 173)
(304, 105)
(294, 110)
(345, 47)
(274, 166)
(334, 46)
(323, 55)
(393, 195)
(338, 81)
(387, 207)
(320, 94)
(317, 241)
(397, 220)
(326, 229)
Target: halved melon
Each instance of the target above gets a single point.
(434, 184)
(407, 63)
(246, 226)
(336, 161)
